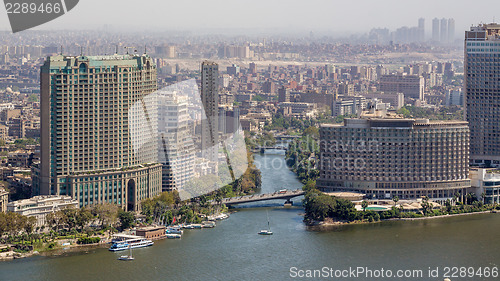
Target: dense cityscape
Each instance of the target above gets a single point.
(116, 141)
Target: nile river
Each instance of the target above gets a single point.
(234, 251)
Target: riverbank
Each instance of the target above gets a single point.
(61, 247)
(329, 223)
(443, 216)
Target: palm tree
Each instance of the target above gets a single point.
(395, 199)
(425, 205)
(364, 205)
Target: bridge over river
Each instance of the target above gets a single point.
(287, 195)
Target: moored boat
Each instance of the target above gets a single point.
(208, 224)
(123, 242)
(174, 230)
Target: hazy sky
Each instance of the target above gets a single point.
(320, 16)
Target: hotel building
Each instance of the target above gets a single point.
(385, 156)
(86, 138)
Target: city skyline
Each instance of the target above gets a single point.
(267, 17)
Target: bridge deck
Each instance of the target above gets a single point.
(261, 197)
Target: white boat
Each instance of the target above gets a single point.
(174, 230)
(123, 242)
(127, 258)
(208, 224)
(268, 230)
(173, 236)
(218, 217)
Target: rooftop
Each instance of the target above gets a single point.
(383, 119)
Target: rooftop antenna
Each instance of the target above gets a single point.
(61, 50)
(81, 50)
(128, 49)
(116, 52)
(145, 49)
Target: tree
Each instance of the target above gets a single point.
(395, 199)
(29, 226)
(106, 213)
(448, 205)
(127, 219)
(83, 217)
(364, 205)
(312, 131)
(426, 206)
(404, 111)
(310, 185)
(69, 217)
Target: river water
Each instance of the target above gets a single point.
(233, 250)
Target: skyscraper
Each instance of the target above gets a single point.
(421, 29)
(177, 151)
(435, 30)
(86, 139)
(451, 30)
(210, 100)
(482, 92)
(443, 33)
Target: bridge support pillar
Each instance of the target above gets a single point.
(288, 203)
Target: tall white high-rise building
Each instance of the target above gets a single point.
(435, 30)
(443, 32)
(176, 146)
(421, 29)
(451, 30)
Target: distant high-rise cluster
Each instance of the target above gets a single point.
(443, 30)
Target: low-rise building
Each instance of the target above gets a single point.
(151, 232)
(299, 109)
(40, 206)
(485, 183)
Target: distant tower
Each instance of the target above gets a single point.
(421, 29)
(451, 30)
(210, 100)
(435, 30)
(444, 30)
